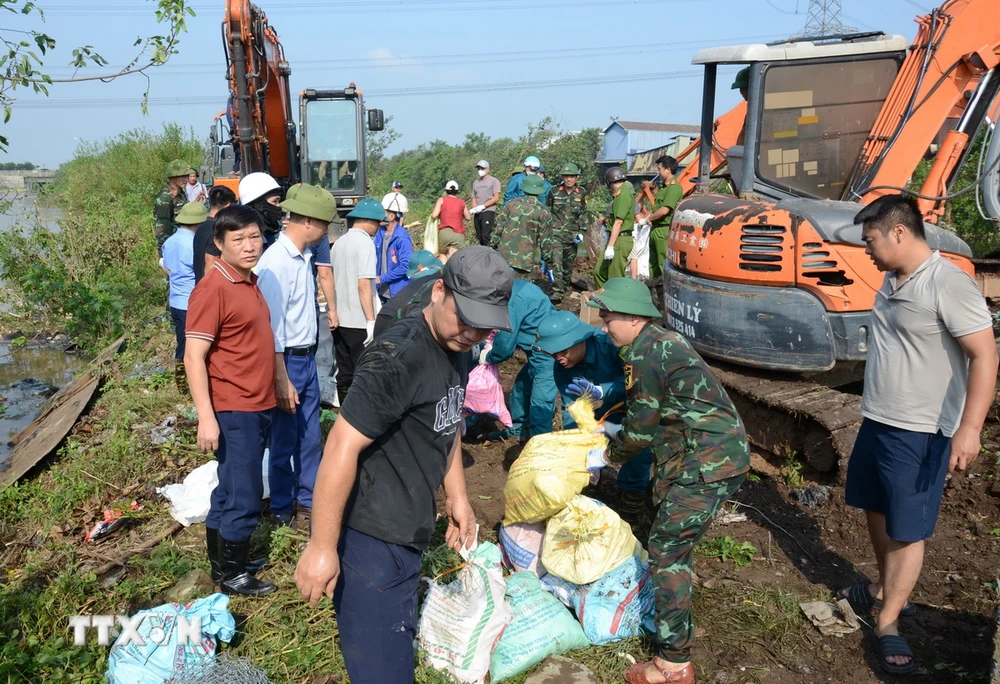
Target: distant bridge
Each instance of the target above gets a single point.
(26, 180)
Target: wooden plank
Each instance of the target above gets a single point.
(56, 419)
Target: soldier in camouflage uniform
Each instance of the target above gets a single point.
(568, 204)
(520, 227)
(677, 408)
(170, 201)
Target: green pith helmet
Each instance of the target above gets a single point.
(310, 201)
(368, 209)
(533, 185)
(561, 330)
(179, 167)
(191, 214)
(422, 258)
(569, 169)
(627, 296)
(742, 79)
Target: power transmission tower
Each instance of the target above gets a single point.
(825, 19)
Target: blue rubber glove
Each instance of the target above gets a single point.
(582, 387)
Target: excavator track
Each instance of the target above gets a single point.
(794, 417)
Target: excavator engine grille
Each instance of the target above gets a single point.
(761, 247)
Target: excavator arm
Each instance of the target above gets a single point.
(259, 91)
(951, 72)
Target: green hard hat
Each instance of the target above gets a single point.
(427, 260)
(561, 330)
(310, 201)
(627, 296)
(742, 79)
(569, 169)
(179, 167)
(368, 209)
(191, 214)
(533, 185)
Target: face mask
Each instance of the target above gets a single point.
(482, 172)
(272, 215)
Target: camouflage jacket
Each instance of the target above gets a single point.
(517, 234)
(569, 211)
(679, 409)
(165, 207)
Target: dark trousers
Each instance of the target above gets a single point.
(236, 501)
(484, 226)
(179, 317)
(296, 441)
(376, 605)
(348, 343)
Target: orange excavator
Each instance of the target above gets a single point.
(775, 277)
(329, 147)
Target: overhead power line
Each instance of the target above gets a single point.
(374, 93)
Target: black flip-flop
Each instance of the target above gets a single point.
(895, 645)
(860, 595)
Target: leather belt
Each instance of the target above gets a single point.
(301, 351)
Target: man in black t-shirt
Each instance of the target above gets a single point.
(415, 296)
(397, 440)
(219, 197)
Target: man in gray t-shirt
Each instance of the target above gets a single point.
(485, 195)
(930, 379)
(353, 260)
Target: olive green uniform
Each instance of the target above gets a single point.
(165, 207)
(677, 408)
(622, 207)
(569, 219)
(667, 196)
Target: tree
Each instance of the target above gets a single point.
(21, 65)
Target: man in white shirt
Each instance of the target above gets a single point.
(354, 271)
(287, 281)
(930, 379)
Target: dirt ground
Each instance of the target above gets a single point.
(807, 554)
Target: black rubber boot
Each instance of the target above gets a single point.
(235, 578)
(212, 541)
(630, 507)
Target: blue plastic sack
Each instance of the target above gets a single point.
(163, 657)
(617, 606)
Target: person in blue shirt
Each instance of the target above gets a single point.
(513, 189)
(588, 363)
(533, 397)
(393, 248)
(178, 262)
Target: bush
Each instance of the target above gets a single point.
(96, 274)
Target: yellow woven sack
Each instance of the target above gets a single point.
(550, 471)
(587, 540)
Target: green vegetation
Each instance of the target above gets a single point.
(726, 548)
(17, 166)
(97, 274)
(791, 472)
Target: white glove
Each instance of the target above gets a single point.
(643, 222)
(476, 209)
(370, 329)
(482, 355)
(596, 459)
(609, 253)
(611, 429)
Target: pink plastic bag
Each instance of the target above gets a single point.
(485, 395)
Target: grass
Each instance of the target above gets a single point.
(791, 472)
(46, 573)
(725, 548)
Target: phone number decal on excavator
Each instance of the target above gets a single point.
(686, 316)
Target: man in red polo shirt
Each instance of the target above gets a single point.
(230, 367)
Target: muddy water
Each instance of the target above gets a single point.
(29, 375)
(32, 372)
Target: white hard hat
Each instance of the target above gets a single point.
(256, 185)
(395, 201)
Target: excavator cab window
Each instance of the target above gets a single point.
(333, 144)
(815, 118)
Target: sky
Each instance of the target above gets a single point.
(440, 68)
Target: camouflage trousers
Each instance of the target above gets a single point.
(681, 521)
(563, 255)
(522, 275)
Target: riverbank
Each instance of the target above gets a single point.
(747, 605)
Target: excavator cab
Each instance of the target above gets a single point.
(332, 142)
(776, 277)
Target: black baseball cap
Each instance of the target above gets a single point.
(481, 282)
